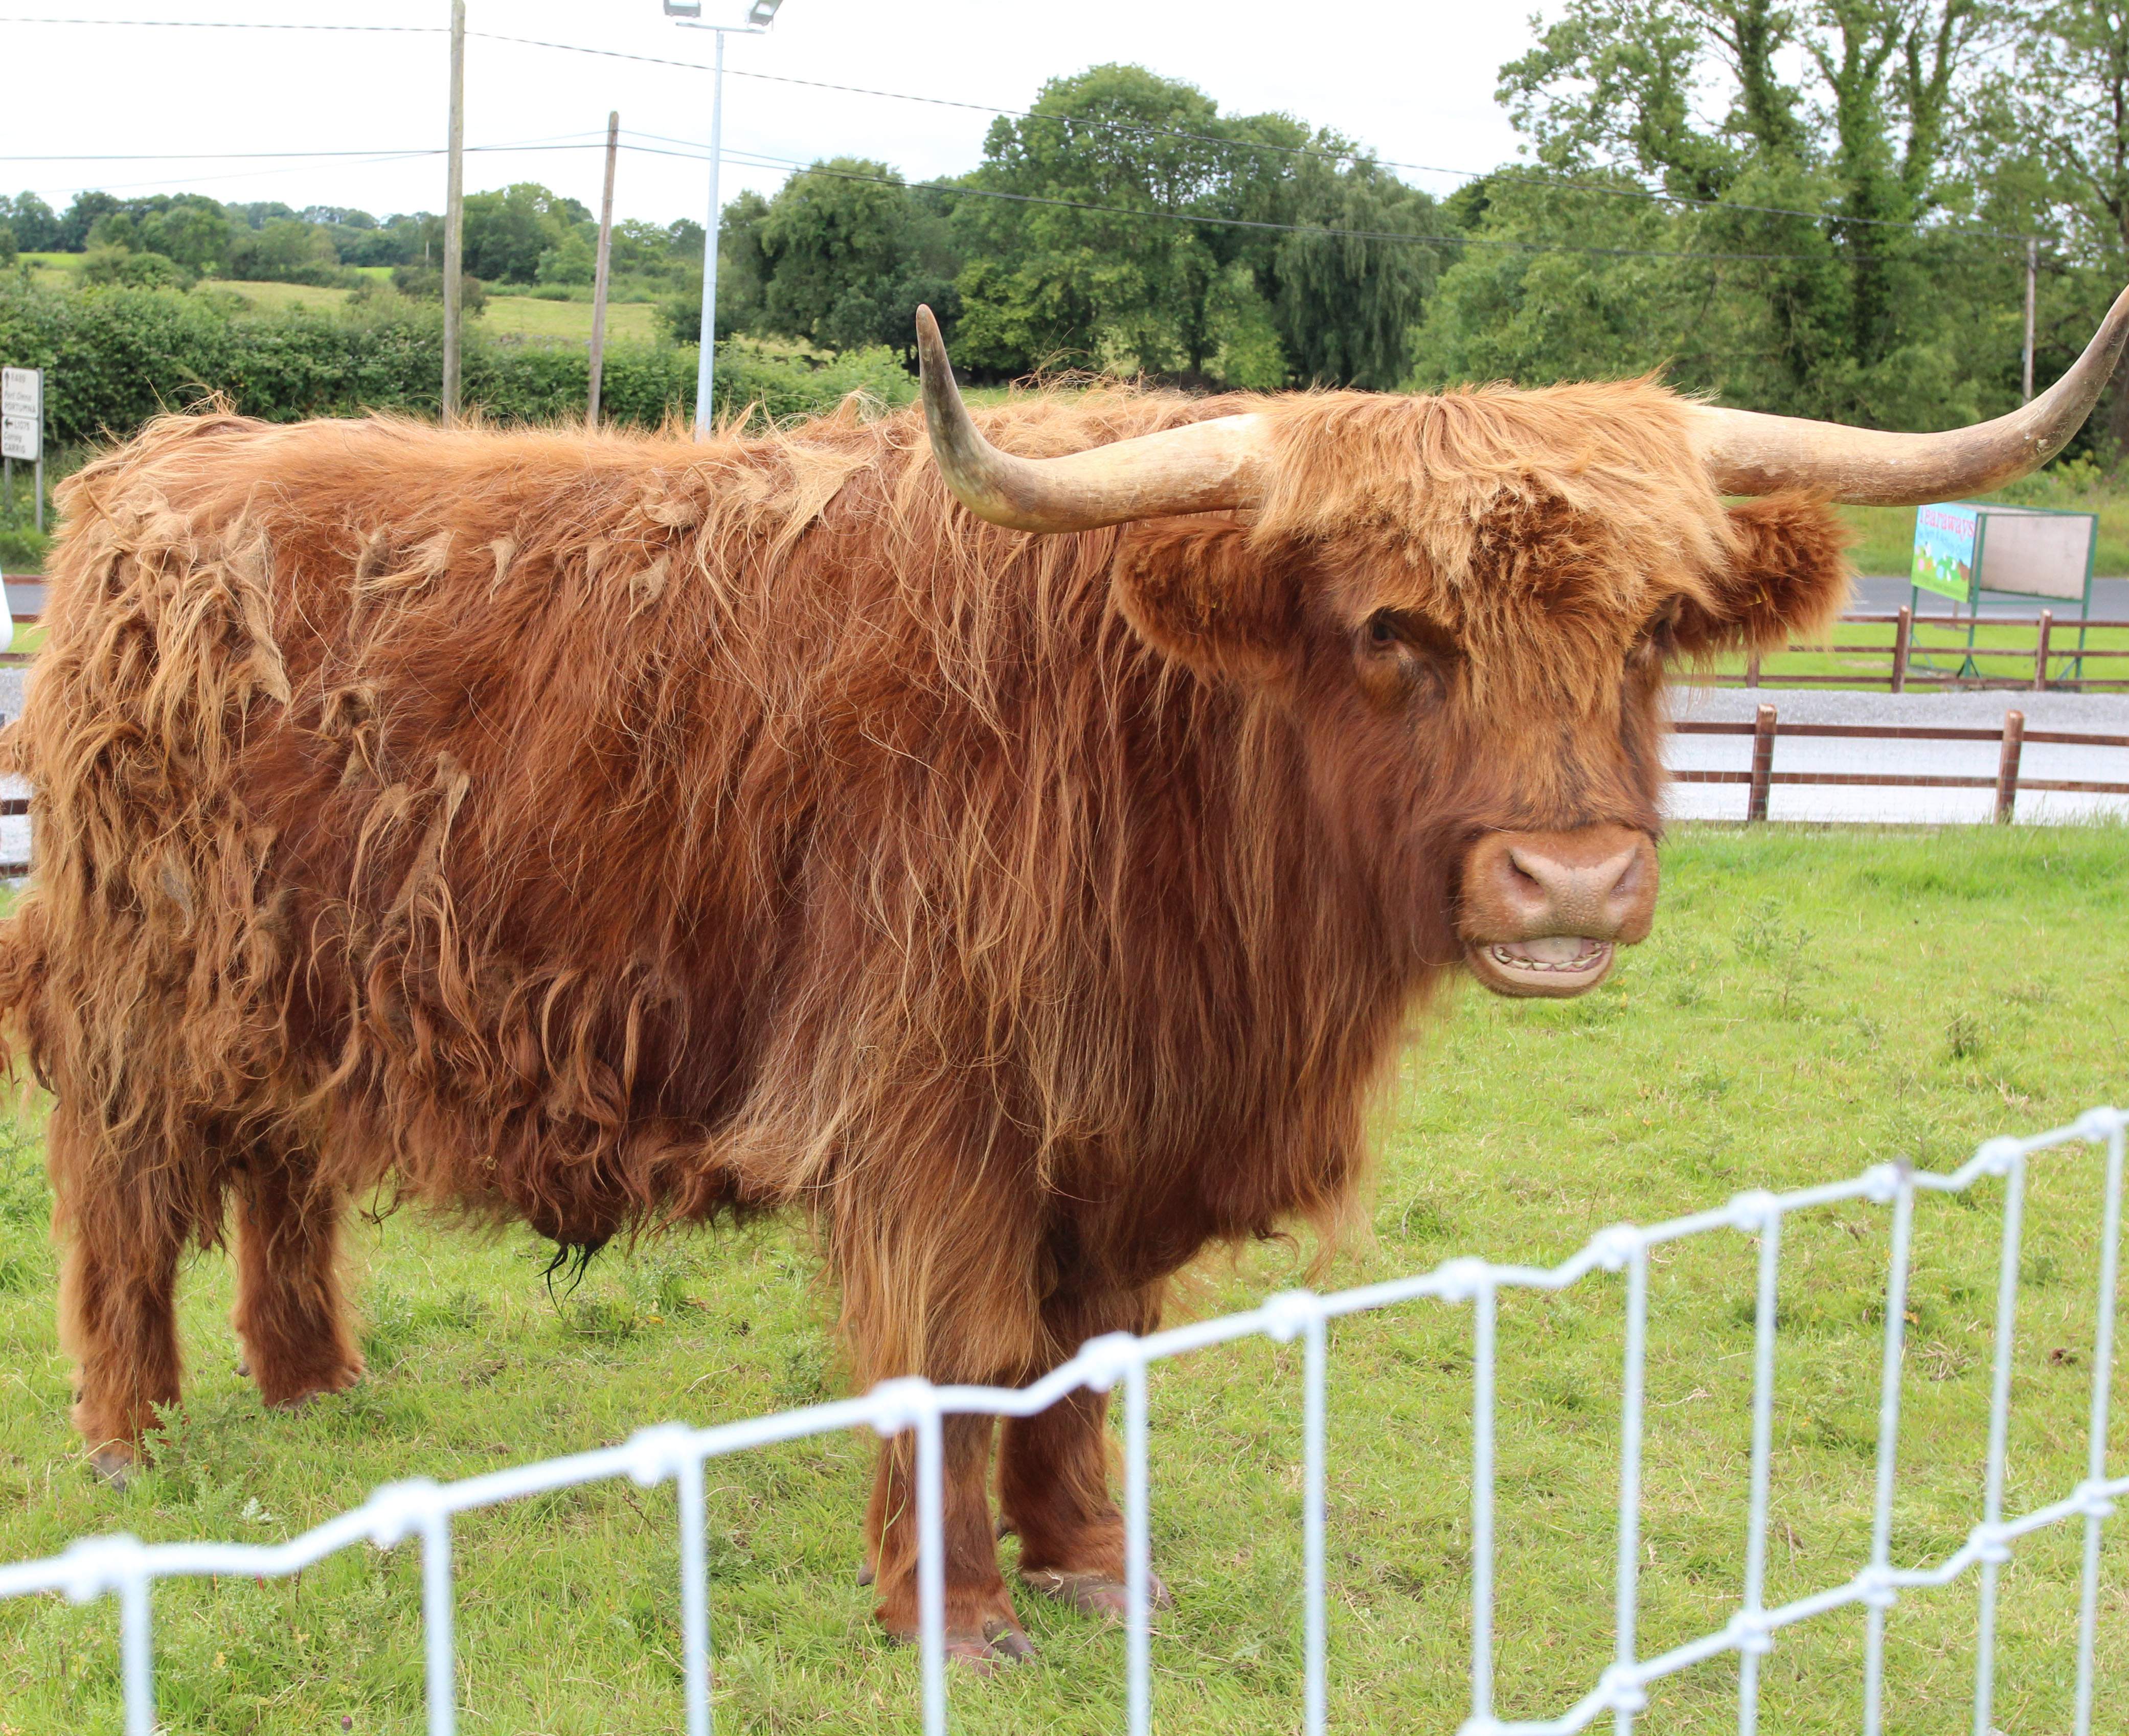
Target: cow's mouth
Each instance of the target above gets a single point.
(1556, 965)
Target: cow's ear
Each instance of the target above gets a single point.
(1789, 577)
(1195, 590)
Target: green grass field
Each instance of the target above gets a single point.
(526, 316)
(1939, 648)
(1885, 535)
(1812, 1001)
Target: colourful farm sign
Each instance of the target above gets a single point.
(1943, 549)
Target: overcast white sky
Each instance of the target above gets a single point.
(1414, 81)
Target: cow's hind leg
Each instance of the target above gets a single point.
(981, 1628)
(1053, 1470)
(289, 1306)
(117, 1292)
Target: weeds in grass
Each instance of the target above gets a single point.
(1964, 1037)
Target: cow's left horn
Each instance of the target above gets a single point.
(1747, 453)
(1202, 466)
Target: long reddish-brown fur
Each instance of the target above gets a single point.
(603, 830)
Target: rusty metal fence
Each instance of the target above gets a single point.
(423, 1511)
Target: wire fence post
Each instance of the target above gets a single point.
(2097, 1504)
(694, 1596)
(1138, 1565)
(931, 1558)
(1315, 1688)
(1626, 1700)
(1485, 1321)
(137, 1649)
(1752, 1641)
(1995, 1553)
(436, 1617)
(1878, 1594)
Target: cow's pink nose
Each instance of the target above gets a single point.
(1543, 910)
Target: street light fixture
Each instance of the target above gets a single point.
(759, 16)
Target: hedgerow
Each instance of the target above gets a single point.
(116, 356)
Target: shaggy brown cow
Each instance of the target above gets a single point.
(608, 830)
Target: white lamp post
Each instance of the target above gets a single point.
(759, 16)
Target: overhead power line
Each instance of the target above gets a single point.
(1144, 131)
(560, 142)
(391, 29)
(762, 160)
(566, 142)
(1136, 128)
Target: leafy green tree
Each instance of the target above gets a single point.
(506, 232)
(1081, 247)
(846, 252)
(121, 267)
(2048, 150)
(188, 229)
(285, 250)
(1127, 225)
(71, 234)
(8, 250)
(571, 260)
(36, 228)
(1845, 110)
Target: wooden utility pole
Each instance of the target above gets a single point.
(599, 279)
(454, 218)
(2032, 276)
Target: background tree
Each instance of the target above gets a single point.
(847, 253)
(506, 232)
(36, 227)
(1094, 234)
(1844, 111)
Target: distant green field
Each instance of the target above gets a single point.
(267, 297)
(1885, 535)
(1812, 1001)
(2000, 653)
(526, 316)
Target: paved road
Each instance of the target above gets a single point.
(2096, 714)
(2110, 600)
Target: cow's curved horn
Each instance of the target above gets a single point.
(1204, 467)
(1747, 453)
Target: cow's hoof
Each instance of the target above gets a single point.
(339, 1380)
(865, 1574)
(114, 1467)
(243, 1369)
(999, 1645)
(1095, 1594)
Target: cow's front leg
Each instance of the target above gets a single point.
(981, 1628)
(1054, 1471)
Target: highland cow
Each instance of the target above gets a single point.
(607, 831)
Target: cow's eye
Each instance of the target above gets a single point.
(1382, 630)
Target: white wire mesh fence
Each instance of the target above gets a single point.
(128, 1569)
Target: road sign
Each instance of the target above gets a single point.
(21, 413)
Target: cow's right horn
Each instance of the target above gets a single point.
(1202, 467)
(1749, 453)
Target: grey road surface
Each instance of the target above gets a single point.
(2110, 600)
(2094, 714)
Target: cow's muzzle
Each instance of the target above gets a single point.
(1544, 912)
